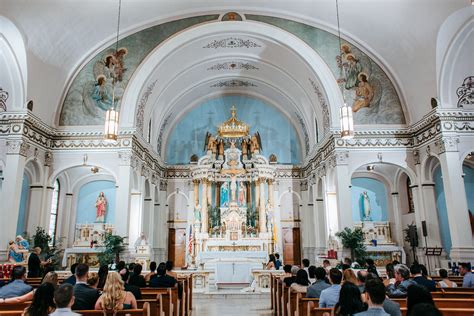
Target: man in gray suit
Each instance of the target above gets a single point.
(64, 299)
(17, 287)
(314, 290)
(374, 296)
(402, 278)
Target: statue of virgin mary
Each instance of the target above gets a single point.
(364, 206)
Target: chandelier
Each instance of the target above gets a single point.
(233, 128)
(345, 111)
(112, 115)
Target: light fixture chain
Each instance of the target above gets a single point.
(118, 25)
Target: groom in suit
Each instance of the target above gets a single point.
(85, 296)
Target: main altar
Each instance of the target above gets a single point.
(233, 204)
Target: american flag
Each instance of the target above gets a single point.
(190, 240)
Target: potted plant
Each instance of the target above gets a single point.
(354, 241)
(114, 245)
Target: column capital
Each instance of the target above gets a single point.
(17, 147)
(448, 144)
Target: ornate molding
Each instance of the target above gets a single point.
(17, 147)
(465, 92)
(232, 42)
(141, 107)
(233, 83)
(324, 105)
(447, 144)
(233, 65)
(305, 132)
(3, 100)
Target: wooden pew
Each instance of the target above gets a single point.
(284, 299)
(316, 311)
(169, 298)
(443, 302)
(304, 305)
(465, 295)
(272, 293)
(145, 311)
(155, 305)
(448, 311)
(14, 306)
(278, 297)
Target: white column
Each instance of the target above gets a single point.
(122, 212)
(135, 218)
(34, 209)
(396, 228)
(204, 215)
(431, 215)
(462, 248)
(147, 216)
(11, 191)
(64, 218)
(262, 215)
(343, 196)
(46, 208)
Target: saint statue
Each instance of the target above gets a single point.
(22, 242)
(101, 206)
(242, 194)
(141, 241)
(364, 206)
(14, 253)
(233, 189)
(225, 194)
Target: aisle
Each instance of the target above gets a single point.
(232, 305)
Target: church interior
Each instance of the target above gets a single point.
(215, 133)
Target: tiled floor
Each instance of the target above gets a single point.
(238, 305)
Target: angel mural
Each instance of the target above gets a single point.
(364, 93)
(106, 90)
(255, 143)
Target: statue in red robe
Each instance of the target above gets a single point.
(101, 206)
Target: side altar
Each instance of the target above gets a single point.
(233, 204)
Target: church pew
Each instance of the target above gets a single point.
(190, 291)
(316, 311)
(465, 295)
(11, 313)
(442, 302)
(145, 311)
(278, 298)
(457, 289)
(284, 299)
(272, 294)
(304, 305)
(448, 311)
(14, 306)
(169, 298)
(155, 305)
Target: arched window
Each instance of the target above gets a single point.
(149, 132)
(316, 132)
(411, 204)
(53, 221)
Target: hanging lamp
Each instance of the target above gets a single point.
(112, 115)
(345, 111)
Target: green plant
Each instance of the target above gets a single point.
(41, 239)
(114, 245)
(353, 240)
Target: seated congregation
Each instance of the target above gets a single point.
(400, 290)
(84, 291)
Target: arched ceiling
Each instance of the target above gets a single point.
(59, 35)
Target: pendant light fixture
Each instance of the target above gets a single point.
(345, 111)
(112, 115)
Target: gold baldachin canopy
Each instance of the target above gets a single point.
(233, 128)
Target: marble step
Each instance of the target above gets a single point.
(231, 294)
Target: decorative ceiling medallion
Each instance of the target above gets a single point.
(232, 65)
(466, 92)
(231, 42)
(3, 100)
(233, 83)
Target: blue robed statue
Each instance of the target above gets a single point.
(224, 195)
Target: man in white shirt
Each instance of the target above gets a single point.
(64, 299)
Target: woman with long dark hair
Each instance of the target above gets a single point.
(301, 282)
(417, 294)
(103, 271)
(271, 262)
(43, 301)
(350, 301)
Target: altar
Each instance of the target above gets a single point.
(233, 205)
